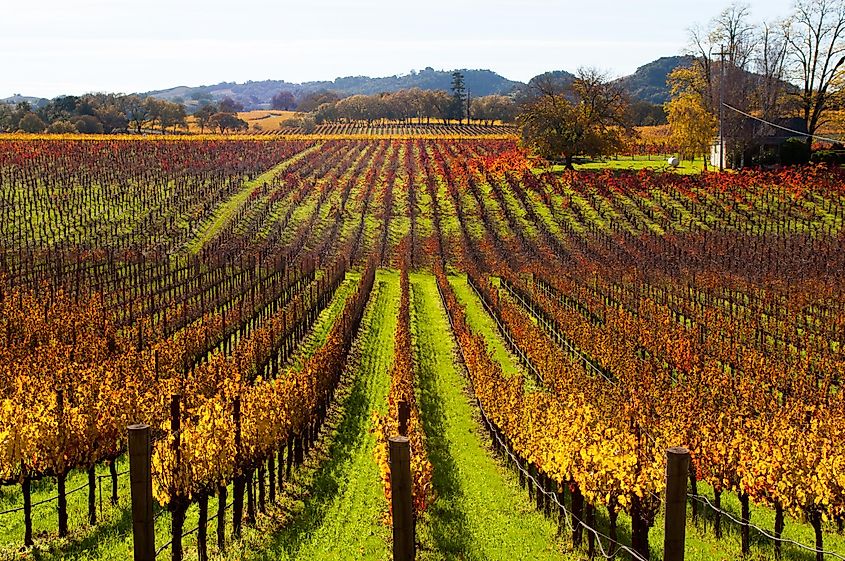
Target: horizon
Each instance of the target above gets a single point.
(329, 39)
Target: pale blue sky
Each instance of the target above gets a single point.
(52, 47)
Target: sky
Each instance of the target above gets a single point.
(54, 47)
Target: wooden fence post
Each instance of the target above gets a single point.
(404, 541)
(404, 415)
(178, 505)
(141, 487)
(677, 473)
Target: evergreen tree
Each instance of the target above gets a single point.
(459, 92)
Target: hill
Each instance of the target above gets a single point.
(257, 95)
(18, 98)
(648, 83)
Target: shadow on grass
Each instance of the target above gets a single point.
(86, 544)
(447, 520)
(331, 476)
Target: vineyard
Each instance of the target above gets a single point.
(275, 308)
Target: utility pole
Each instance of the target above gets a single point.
(722, 54)
(468, 100)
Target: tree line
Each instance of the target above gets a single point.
(788, 72)
(773, 86)
(114, 113)
(405, 105)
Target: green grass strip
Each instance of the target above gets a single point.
(317, 337)
(480, 511)
(481, 322)
(226, 210)
(342, 518)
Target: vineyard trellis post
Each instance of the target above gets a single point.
(401, 501)
(677, 473)
(141, 488)
(404, 415)
(27, 509)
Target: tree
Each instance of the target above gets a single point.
(589, 117)
(31, 123)
(203, 116)
(155, 110)
(172, 115)
(325, 113)
(283, 100)
(492, 108)
(692, 126)
(6, 117)
(645, 114)
(137, 111)
(228, 121)
(88, 124)
(815, 55)
(111, 118)
(61, 127)
(459, 94)
(770, 65)
(229, 105)
(315, 99)
(725, 51)
(440, 104)
(400, 105)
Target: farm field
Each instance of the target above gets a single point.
(265, 305)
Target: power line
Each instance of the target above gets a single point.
(787, 129)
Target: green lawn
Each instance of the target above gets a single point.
(638, 163)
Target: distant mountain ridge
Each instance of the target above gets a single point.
(257, 95)
(648, 83)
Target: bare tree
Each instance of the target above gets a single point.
(770, 65)
(725, 51)
(816, 50)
